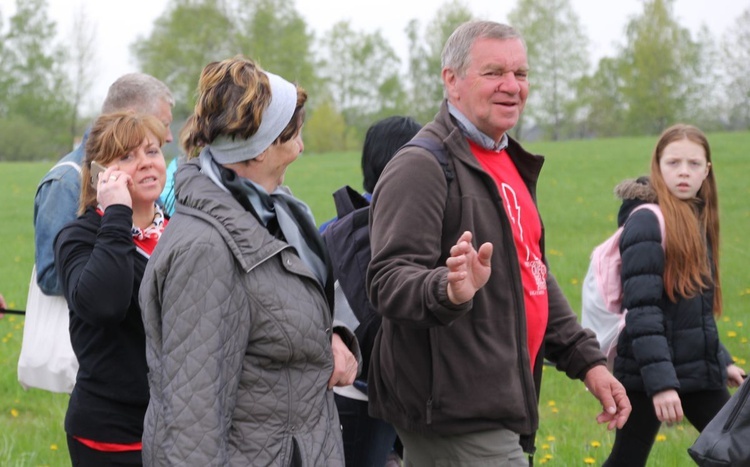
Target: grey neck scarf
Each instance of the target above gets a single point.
(294, 218)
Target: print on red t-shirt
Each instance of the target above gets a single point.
(527, 234)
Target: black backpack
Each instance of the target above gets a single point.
(348, 241)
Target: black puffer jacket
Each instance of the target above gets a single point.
(665, 344)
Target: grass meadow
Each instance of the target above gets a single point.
(579, 210)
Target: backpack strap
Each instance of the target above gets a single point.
(653, 207)
(69, 164)
(347, 200)
(437, 149)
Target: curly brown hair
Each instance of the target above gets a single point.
(232, 96)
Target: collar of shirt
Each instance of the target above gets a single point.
(473, 133)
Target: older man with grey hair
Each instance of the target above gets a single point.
(459, 274)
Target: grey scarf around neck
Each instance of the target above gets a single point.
(294, 217)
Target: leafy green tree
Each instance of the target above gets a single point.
(558, 58)
(706, 103)
(34, 89)
(425, 88)
(274, 33)
(660, 62)
(361, 71)
(325, 129)
(186, 37)
(82, 64)
(736, 57)
(601, 100)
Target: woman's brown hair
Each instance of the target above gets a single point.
(232, 96)
(112, 136)
(692, 227)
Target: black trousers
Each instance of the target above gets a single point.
(83, 456)
(634, 441)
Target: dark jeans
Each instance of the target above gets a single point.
(634, 441)
(83, 456)
(367, 440)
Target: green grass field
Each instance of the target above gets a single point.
(578, 207)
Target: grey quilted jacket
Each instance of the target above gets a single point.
(238, 342)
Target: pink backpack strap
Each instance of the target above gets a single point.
(653, 207)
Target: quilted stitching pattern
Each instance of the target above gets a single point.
(238, 344)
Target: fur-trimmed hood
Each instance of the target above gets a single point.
(633, 192)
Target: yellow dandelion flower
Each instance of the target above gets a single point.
(680, 428)
(589, 460)
(548, 456)
(574, 281)
(9, 335)
(742, 361)
(545, 446)
(595, 444)
(551, 403)
(11, 318)
(738, 324)
(53, 447)
(725, 319)
(17, 327)
(732, 334)
(543, 461)
(5, 340)
(661, 438)
(550, 438)
(555, 410)
(744, 340)
(14, 413)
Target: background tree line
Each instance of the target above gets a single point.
(659, 74)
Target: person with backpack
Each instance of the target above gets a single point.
(367, 441)
(669, 357)
(460, 276)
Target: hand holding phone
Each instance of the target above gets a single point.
(96, 169)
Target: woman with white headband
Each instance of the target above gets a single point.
(240, 342)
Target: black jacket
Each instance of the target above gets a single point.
(101, 272)
(665, 344)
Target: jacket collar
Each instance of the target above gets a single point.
(198, 196)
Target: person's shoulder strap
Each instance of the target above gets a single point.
(69, 164)
(437, 149)
(347, 200)
(653, 207)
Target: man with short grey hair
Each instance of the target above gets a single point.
(459, 275)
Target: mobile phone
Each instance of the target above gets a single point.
(96, 169)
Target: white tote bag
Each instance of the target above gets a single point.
(47, 360)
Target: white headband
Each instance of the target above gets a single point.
(278, 114)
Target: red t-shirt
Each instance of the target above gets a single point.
(527, 234)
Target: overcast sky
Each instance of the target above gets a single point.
(119, 23)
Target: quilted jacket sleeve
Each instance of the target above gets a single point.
(643, 288)
(196, 356)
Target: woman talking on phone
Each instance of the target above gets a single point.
(101, 257)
